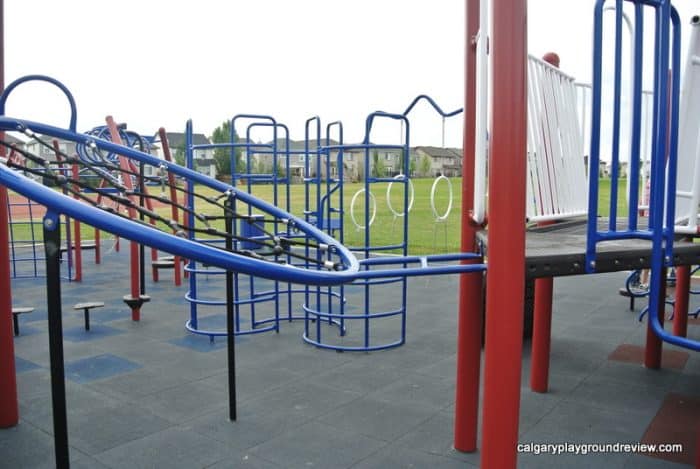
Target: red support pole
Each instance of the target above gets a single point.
(506, 234)
(470, 285)
(652, 352)
(174, 212)
(77, 242)
(149, 206)
(697, 449)
(9, 407)
(133, 245)
(680, 309)
(541, 334)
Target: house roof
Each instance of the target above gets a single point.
(441, 152)
(11, 139)
(299, 145)
(177, 139)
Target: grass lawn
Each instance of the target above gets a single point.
(426, 235)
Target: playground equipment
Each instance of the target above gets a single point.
(25, 246)
(324, 261)
(617, 244)
(382, 323)
(249, 295)
(508, 143)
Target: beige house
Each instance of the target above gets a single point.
(203, 157)
(442, 161)
(383, 162)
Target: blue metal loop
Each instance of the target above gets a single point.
(71, 101)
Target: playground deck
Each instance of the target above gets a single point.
(560, 249)
(149, 394)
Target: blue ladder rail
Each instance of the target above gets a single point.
(664, 154)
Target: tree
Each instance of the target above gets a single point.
(179, 155)
(361, 169)
(402, 163)
(377, 165)
(222, 156)
(425, 165)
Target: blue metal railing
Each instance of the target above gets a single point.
(666, 86)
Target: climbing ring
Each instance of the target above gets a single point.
(400, 177)
(444, 216)
(352, 209)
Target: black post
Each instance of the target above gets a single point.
(230, 332)
(52, 247)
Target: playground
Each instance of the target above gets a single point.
(321, 306)
(149, 394)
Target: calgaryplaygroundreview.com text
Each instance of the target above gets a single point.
(589, 448)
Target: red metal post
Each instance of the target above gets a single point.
(174, 212)
(133, 245)
(652, 352)
(506, 234)
(470, 285)
(9, 408)
(541, 334)
(697, 449)
(77, 242)
(149, 206)
(680, 309)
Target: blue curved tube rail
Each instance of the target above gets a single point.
(144, 234)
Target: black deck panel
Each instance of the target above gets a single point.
(560, 249)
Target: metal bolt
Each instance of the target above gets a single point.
(48, 222)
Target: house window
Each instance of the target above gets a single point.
(387, 156)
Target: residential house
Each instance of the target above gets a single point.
(301, 156)
(203, 157)
(442, 161)
(43, 146)
(383, 162)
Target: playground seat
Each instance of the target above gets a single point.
(83, 246)
(86, 307)
(165, 262)
(15, 320)
(626, 293)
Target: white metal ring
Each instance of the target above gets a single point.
(410, 190)
(352, 209)
(444, 216)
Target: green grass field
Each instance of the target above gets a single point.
(426, 236)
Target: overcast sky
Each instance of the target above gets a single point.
(158, 63)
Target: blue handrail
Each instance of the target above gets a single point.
(438, 109)
(165, 241)
(71, 101)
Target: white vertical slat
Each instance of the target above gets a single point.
(688, 179)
